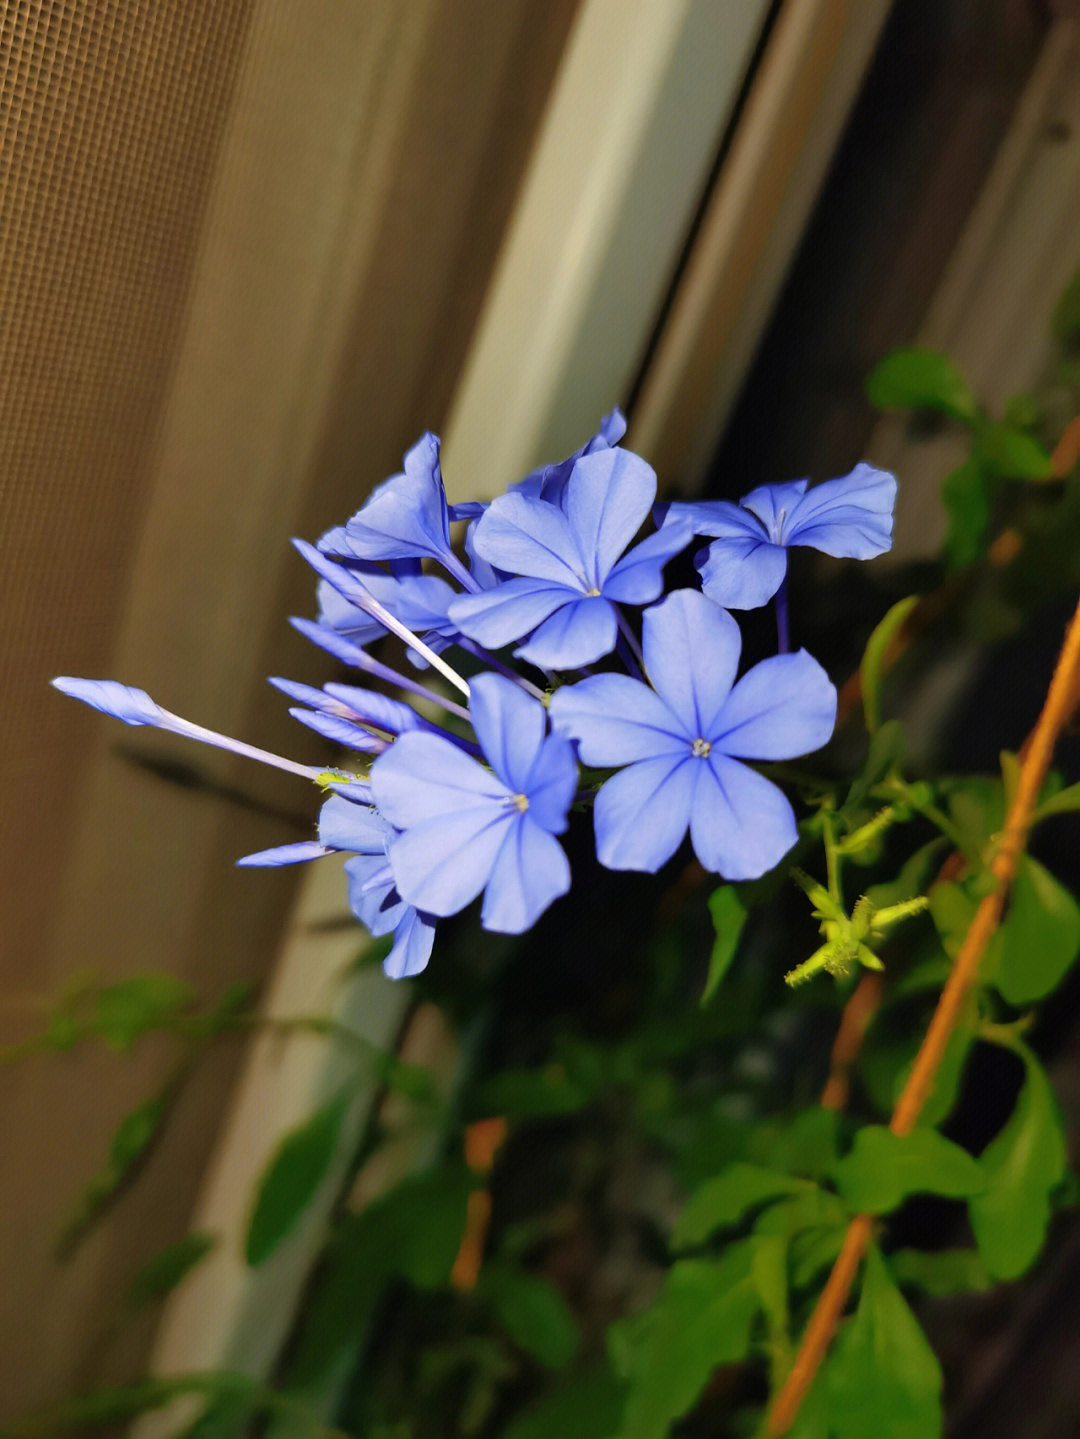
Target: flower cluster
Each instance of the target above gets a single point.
(457, 794)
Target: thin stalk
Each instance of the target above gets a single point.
(359, 659)
(493, 661)
(453, 566)
(782, 618)
(1057, 709)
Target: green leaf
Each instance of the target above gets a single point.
(1065, 319)
(1066, 801)
(293, 1178)
(874, 654)
(728, 917)
(131, 1141)
(126, 1011)
(811, 1226)
(1011, 454)
(587, 1406)
(919, 379)
(883, 1377)
(413, 1232)
(882, 1169)
(887, 1060)
(532, 1311)
(701, 1319)
(164, 1271)
(807, 1143)
(977, 808)
(723, 1200)
(945, 1271)
(913, 878)
(883, 755)
(1040, 937)
(532, 1093)
(1024, 1164)
(965, 493)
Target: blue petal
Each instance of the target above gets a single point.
(467, 510)
(608, 495)
(510, 726)
(374, 708)
(354, 828)
(285, 854)
(355, 624)
(444, 863)
(485, 575)
(530, 871)
(774, 506)
(411, 951)
(742, 574)
(552, 784)
(339, 731)
(121, 701)
(549, 483)
(782, 708)
(691, 654)
(617, 720)
(330, 640)
(508, 611)
(407, 515)
(372, 895)
(642, 813)
(421, 602)
(530, 537)
(638, 577)
(716, 517)
(422, 776)
(851, 517)
(577, 634)
(741, 825)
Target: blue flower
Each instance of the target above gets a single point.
(568, 563)
(347, 824)
(850, 518)
(549, 482)
(682, 741)
(465, 828)
(406, 518)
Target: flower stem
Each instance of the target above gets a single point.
(630, 649)
(1057, 709)
(478, 652)
(782, 618)
(453, 566)
(359, 659)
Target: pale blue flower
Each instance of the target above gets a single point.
(568, 563)
(682, 741)
(465, 828)
(744, 567)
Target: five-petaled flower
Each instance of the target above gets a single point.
(567, 562)
(683, 741)
(850, 518)
(465, 828)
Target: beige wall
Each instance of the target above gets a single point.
(242, 249)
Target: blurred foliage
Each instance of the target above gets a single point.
(641, 1252)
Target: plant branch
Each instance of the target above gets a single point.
(1061, 701)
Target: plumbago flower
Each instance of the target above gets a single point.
(850, 518)
(682, 742)
(454, 797)
(567, 564)
(466, 828)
